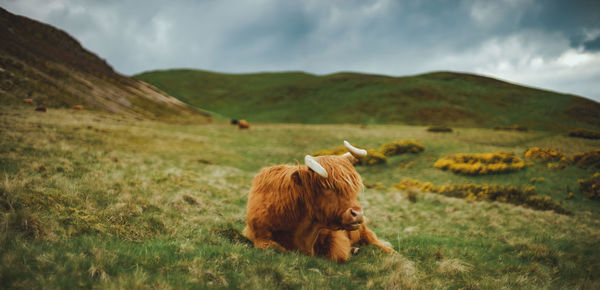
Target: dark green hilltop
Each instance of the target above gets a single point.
(438, 98)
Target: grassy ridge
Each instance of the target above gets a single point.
(97, 200)
(47, 65)
(435, 98)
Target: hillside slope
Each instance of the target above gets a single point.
(44, 63)
(435, 98)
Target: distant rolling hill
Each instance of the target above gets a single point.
(44, 63)
(441, 98)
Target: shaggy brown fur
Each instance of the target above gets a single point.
(288, 206)
(339, 245)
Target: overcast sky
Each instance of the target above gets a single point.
(551, 44)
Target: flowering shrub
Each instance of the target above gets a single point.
(591, 186)
(439, 129)
(545, 154)
(585, 133)
(401, 147)
(586, 159)
(559, 159)
(525, 196)
(536, 179)
(339, 150)
(373, 156)
(481, 164)
(514, 127)
(378, 156)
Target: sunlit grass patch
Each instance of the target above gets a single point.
(481, 163)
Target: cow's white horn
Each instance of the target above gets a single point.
(355, 151)
(315, 166)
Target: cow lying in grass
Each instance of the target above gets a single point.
(309, 208)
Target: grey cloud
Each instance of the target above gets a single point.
(510, 39)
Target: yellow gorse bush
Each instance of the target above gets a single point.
(442, 129)
(584, 133)
(591, 186)
(339, 150)
(377, 156)
(587, 159)
(525, 196)
(373, 156)
(514, 127)
(481, 163)
(401, 147)
(545, 154)
(558, 159)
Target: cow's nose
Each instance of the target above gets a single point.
(357, 215)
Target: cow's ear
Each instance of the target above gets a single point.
(296, 177)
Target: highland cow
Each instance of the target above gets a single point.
(243, 124)
(309, 208)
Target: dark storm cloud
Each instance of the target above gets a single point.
(552, 44)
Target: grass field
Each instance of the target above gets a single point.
(94, 200)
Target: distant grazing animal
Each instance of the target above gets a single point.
(309, 208)
(78, 107)
(243, 124)
(40, 109)
(234, 121)
(28, 101)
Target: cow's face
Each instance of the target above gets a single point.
(337, 209)
(333, 199)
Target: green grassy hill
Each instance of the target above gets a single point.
(436, 98)
(43, 63)
(98, 200)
